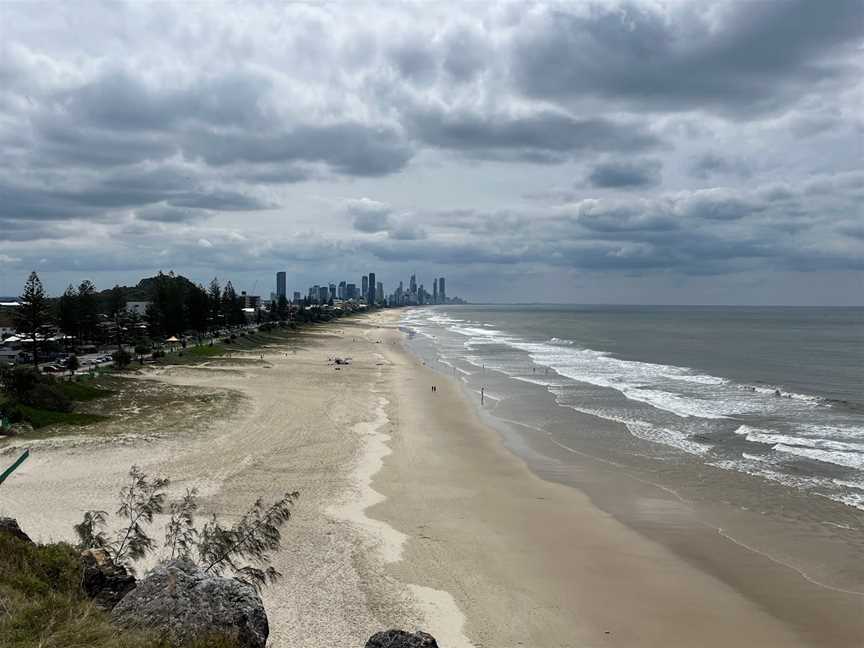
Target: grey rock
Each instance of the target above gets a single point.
(181, 602)
(10, 526)
(102, 580)
(401, 639)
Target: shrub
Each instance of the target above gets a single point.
(12, 412)
(19, 382)
(121, 358)
(241, 550)
(47, 396)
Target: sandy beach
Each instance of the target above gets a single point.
(413, 513)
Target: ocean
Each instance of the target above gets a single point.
(758, 408)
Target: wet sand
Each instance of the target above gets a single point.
(534, 562)
(413, 513)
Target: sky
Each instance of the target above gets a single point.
(612, 152)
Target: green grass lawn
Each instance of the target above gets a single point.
(83, 391)
(204, 351)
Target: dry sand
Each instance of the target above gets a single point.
(412, 513)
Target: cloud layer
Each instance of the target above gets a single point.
(632, 139)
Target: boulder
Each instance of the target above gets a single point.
(102, 580)
(10, 526)
(401, 639)
(182, 603)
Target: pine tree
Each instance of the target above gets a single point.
(88, 309)
(116, 301)
(33, 313)
(68, 316)
(214, 295)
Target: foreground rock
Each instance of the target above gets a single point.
(102, 580)
(10, 526)
(401, 639)
(180, 601)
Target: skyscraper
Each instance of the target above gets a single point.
(379, 292)
(364, 287)
(341, 290)
(435, 291)
(351, 291)
(332, 291)
(281, 290)
(442, 293)
(370, 298)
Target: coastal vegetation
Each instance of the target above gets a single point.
(42, 400)
(48, 599)
(206, 324)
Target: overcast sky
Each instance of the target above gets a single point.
(638, 152)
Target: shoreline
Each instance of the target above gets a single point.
(736, 589)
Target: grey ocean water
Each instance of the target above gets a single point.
(702, 381)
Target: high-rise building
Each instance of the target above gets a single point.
(442, 292)
(351, 291)
(323, 295)
(296, 296)
(364, 287)
(370, 298)
(435, 291)
(281, 290)
(379, 292)
(332, 291)
(341, 290)
(412, 285)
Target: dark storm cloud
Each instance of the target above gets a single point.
(533, 137)
(740, 58)
(123, 190)
(168, 214)
(704, 232)
(709, 164)
(625, 174)
(348, 148)
(369, 216)
(120, 101)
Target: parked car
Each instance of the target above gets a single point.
(53, 368)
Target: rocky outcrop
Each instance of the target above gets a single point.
(401, 639)
(102, 580)
(10, 526)
(181, 602)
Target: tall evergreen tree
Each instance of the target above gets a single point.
(88, 309)
(282, 308)
(33, 313)
(232, 309)
(116, 301)
(214, 295)
(197, 308)
(68, 316)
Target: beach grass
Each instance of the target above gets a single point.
(83, 391)
(42, 604)
(40, 418)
